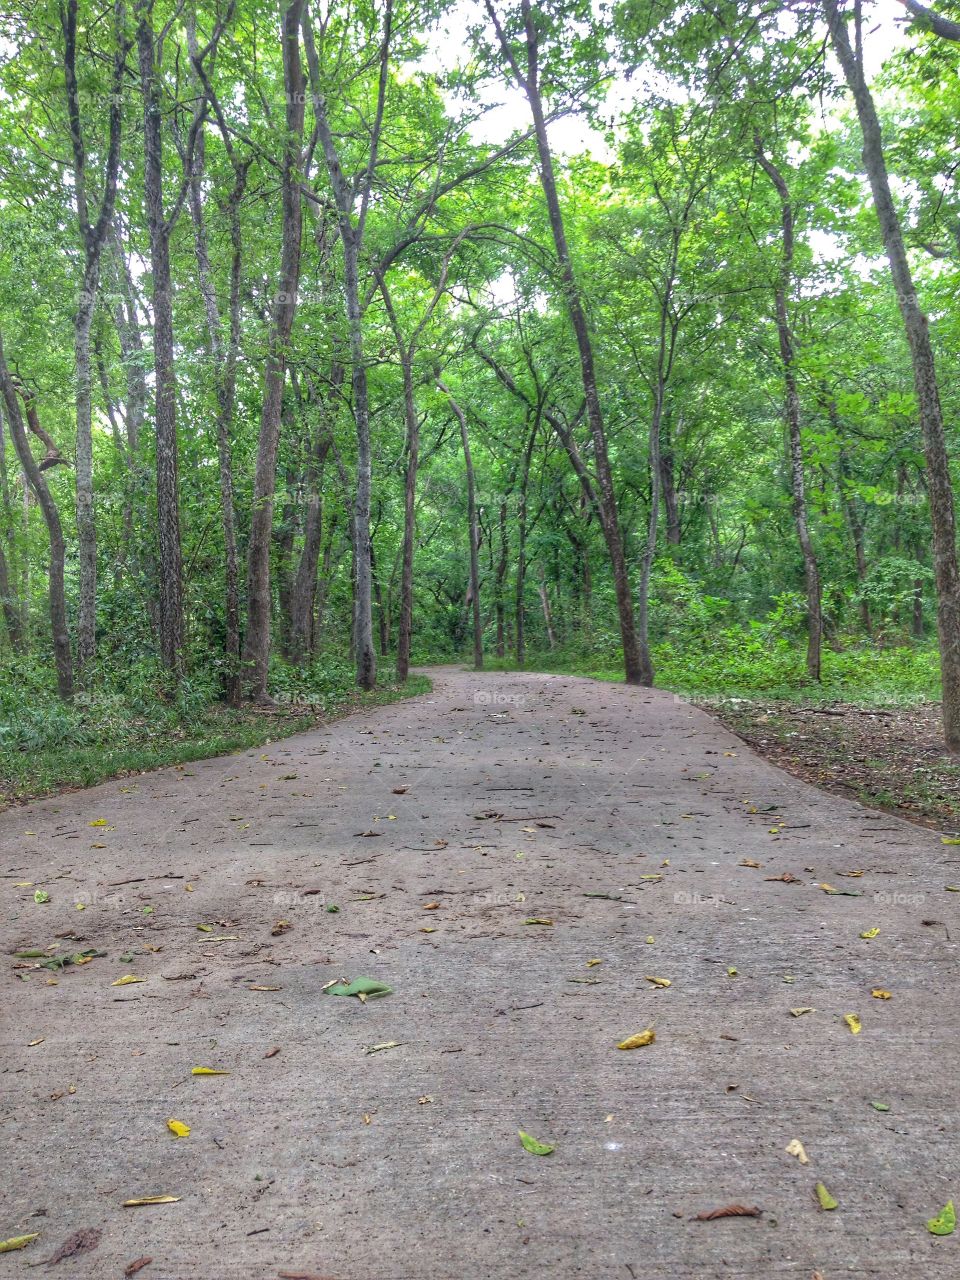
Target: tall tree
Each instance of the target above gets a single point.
(939, 485)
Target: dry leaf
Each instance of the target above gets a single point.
(126, 980)
(638, 1041)
(280, 927)
(853, 1022)
(729, 1211)
(141, 1200)
(805, 1008)
(136, 1265)
(658, 982)
(431, 906)
(749, 862)
(786, 878)
(272, 1053)
(878, 993)
(82, 1240)
(795, 1148)
(259, 987)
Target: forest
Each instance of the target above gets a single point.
(340, 339)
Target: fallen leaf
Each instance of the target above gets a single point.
(40, 896)
(658, 982)
(141, 1200)
(126, 980)
(880, 1106)
(33, 1043)
(82, 1240)
(950, 839)
(729, 1211)
(362, 988)
(878, 993)
(786, 878)
(18, 1242)
(853, 1022)
(258, 986)
(824, 1198)
(431, 906)
(591, 963)
(805, 1008)
(749, 862)
(533, 1146)
(178, 1128)
(795, 1148)
(272, 1053)
(945, 1223)
(638, 1041)
(136, 1265)
(205, 928)
(427, 928)
(870, 933)
(731, 972)
(280, 927)
(400, 791)
(207, 1071)
(379, 1048)
(538, 920)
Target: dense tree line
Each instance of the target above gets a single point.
(293, 359)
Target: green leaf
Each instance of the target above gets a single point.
(944, 1224)
(533, 1146)
(41, 895)
(824, 1197)
(880, 1106)
(366, 988)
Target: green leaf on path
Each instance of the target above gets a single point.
(533, 1146)
(944, 1224)
(824, 1197)
(363, 988)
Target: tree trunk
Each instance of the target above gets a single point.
(256, 647)
(500, 577)
(942, 514)
(170, 568)
(405, 634)
(792, 415)
(63, 658)
(545, 606)
(93, 234)
(530, 84)
(668, 486)
(473, 529)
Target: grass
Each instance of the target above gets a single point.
(118, 747)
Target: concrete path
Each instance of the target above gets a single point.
(444, 828)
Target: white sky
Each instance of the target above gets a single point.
(572, 135)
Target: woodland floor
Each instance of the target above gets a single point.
(891, 758)
(513, 855)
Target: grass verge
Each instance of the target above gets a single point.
(137, 746)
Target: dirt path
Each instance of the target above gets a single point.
(619, 815)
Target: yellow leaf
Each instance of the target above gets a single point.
(132, 1204)
(651, 940)
(98, 822)
(827, 888)
(178, 1128)
(258, 987)
(126, 980)
(207, 1071)
(658, 982)
(81, 906)
(205, 928)
(731, 972)
(17, 1242)
(799, 1012)
(870, 933)
(950, 839)
(639, 1040)
(33, 1043)
(853, 1022)
(795, 1148)
(428, 928)
(878, 993)
(591, 963)
(188, 888)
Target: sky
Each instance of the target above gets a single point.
(572, 135)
